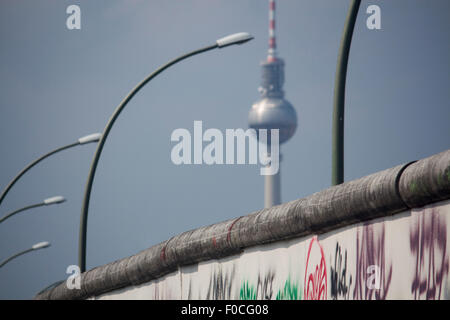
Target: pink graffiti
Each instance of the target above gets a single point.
(315, 287)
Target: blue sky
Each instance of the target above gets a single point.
(57, 85)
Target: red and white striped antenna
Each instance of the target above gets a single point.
(272, 39)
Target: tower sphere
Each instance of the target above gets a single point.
(274, 113)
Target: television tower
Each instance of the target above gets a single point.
(272, 111)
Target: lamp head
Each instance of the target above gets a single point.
(95, 137)
(54, 200)
(236, 38)
(41, 245)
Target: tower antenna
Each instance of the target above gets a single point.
(272, 37)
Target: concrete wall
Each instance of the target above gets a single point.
(383, 236)
(405, 256)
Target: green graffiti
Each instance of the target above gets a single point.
(247, 292)
(291, 291)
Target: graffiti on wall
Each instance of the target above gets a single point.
(263, 290)
(220, 285)
(370, 251)
(340, 282)
(316, 272)
(428, 243)
(290, 291)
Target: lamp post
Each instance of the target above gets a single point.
(337, 160)
(83, 140)
(46, 202)
(37, 246)
(238, 38)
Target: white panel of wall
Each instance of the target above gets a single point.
(405, 256)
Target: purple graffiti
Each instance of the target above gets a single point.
(370, 251)
(428, 243)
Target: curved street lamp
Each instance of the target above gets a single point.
(237, 38)
(46, 202)
(37, 246)
(83, 140)
(337, 152)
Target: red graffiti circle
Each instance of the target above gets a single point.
(315, 287)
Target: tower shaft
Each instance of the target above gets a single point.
(272, 84)
(272, 190)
